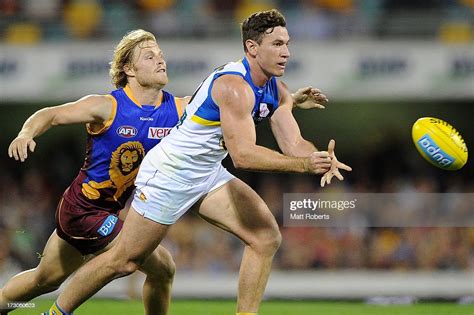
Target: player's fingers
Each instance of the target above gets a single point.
(13, 153)
(23, 151)
(306, 90)
(338, 175)
(320, 154)
(325, 166)
(320, 97)
(317, 105)
(32, 145)
(331, 146)
(315, 91)
(323, 180)
(10, 150)
(322, 159)
(329, 177)
(343, 166)
(20, 151)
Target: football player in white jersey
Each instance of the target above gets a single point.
(184, 171)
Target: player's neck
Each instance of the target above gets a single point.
(259, 77)
(145, 95)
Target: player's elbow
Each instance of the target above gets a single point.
(240, 162)
(241, 159)
(50, 114)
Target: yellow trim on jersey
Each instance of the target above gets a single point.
(108, 122)
(179, 105)
(205, 122)
(130, 95)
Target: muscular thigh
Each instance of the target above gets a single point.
(59, 259)
(237, 208)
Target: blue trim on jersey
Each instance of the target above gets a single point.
(267, 94)
(209, 110)
(266, 97)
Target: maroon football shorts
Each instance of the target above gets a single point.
(88, 229)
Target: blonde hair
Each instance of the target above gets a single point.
(123, 54)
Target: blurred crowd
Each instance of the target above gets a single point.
(34, 21)
(29, 193)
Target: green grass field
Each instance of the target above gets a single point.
(201, 307)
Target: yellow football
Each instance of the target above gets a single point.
(439, 143)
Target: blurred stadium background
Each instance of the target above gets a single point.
(382, 63)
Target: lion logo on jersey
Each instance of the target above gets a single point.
(122, 171)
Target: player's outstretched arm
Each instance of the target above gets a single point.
(285, 128)
(94, 109)
(289, 139)
(235, 99)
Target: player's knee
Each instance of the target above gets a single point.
(120, 263)
(275, 240)
(169, 266)
(127, 268)
(163, 268)
(48, 281)
(267, 242)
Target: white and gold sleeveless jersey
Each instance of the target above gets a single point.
(195, 147)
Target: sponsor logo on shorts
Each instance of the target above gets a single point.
(434, 152)
(158, 132)
(108, 226)
(127, 131)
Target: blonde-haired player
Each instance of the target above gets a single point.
(122, 126)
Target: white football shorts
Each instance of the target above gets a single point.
(162, 199)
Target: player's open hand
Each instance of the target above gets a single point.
(309, 97)
(18, 149)
(335, 166)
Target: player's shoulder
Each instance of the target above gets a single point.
(233, 66)
(231, 86)
(102, 106)
(233, 91)
(98, 99)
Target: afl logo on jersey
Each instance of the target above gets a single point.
(127, 131)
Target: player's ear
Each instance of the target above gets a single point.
(251, 47)
(128, 69)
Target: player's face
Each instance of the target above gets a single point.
(273, 51)
(149, 66)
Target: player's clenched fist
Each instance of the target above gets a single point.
(18, 149)
(319, 162)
